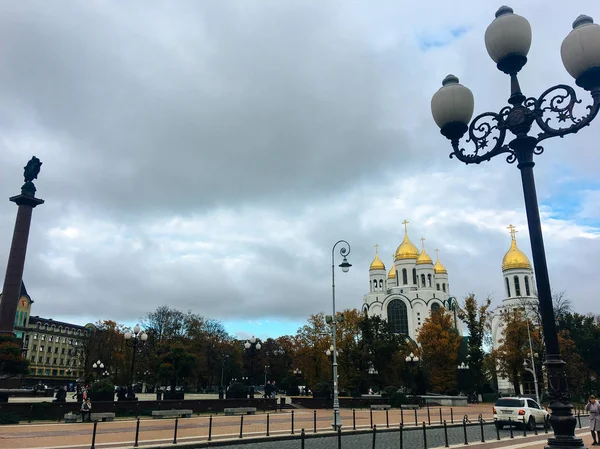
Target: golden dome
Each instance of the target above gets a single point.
(406, 250)
(514, 257)
(392, 272)
(377, 263)
(423, 256)
(438, 268)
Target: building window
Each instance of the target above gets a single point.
(404, 276)
(49, 337)
(54, 361)
(517, 286)
(422, 280)
(397, 317)
(437, 287)
(34, 348)
(527, 291)
(415, 282)
(40, 359)
(507, 288)
(435, 307)
(41, 348)
(428, 280)
(444, 287)
(43, 337)
(47, 360)
(35, 336)
(33, 358)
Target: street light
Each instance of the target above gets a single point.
(98, 367)
(253, 346)
(463, 366)
(345, 266)
(132, 340)
(412, 361)
(508, 39)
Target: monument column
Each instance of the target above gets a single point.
(16, 259)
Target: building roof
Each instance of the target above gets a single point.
(33, 320)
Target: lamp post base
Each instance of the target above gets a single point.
(336, 422)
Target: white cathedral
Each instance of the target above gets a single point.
(415, 285)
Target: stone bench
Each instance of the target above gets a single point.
(106, 416)
(410, 407)
(381, 407)
(171, 414)
(71, 417)
(240, 411)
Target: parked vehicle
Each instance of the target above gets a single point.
(520, 411)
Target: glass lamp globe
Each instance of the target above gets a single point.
(508, 39)
(144, 336)
(452, 107)
(128, 335)
(136, 329)
(258, 346)
(253, 340)
(247, 345)
(580, 52)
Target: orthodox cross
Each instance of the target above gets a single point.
(405, 222)
(423, 242)
(437, 253)
(376, 248)
(513, 231)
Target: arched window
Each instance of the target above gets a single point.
(428, 280)
(527, 291)
(507, 288)
(374, 286)
(404, 276)
(415, 282)
(437, 287)
(422, 280)
(517, 286)
(444, 287)
(397, 317)
(435, 307)
(380, 285)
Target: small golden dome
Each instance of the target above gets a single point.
(514, 257)
(406, 250)
(392, 272)
(423, 256)
(438, 268)
(377, 263)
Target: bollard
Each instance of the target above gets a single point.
(510, 427)
(339, 438)
(94, 435)
(481, 426)
(175, 432)
(371, 417)
(579, 418)
(416, 420)
(451, 416)
(314, 421)
(446, 435)
(424, 435)
(535, 429)
(302, 438)
(546, 425)
(428, 416)
(401, 436)
(387, 419)
(241, 425)
(292, 422)
(401, 415)
(137, 433)
(441, 416)
(353, 419)
(524, 427)
(210, 428)
(497, 432)
(268, 423)
(374, 435)
(465, 429)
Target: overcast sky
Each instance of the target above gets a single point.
(208, 154)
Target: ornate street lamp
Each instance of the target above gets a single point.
(252, 346)
(345, 266)
(412, 361)
(132, 340)
(508, 39)
(98, 366)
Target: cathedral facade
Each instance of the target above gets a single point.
(414, 285)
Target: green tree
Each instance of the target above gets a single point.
(176, 364)
(478, 320)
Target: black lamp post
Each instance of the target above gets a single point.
(412, 360)
(98, 366)
(132, 340)
(508, 39)
(252, 346)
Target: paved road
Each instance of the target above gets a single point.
(411, 439)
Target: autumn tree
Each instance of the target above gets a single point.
(439, 343)
(12, 362)
(575, 368)
(478, 320)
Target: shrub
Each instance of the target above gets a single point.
(9, 418)
(102, 390)
(237, 390)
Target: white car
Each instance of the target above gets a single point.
(519, 411)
